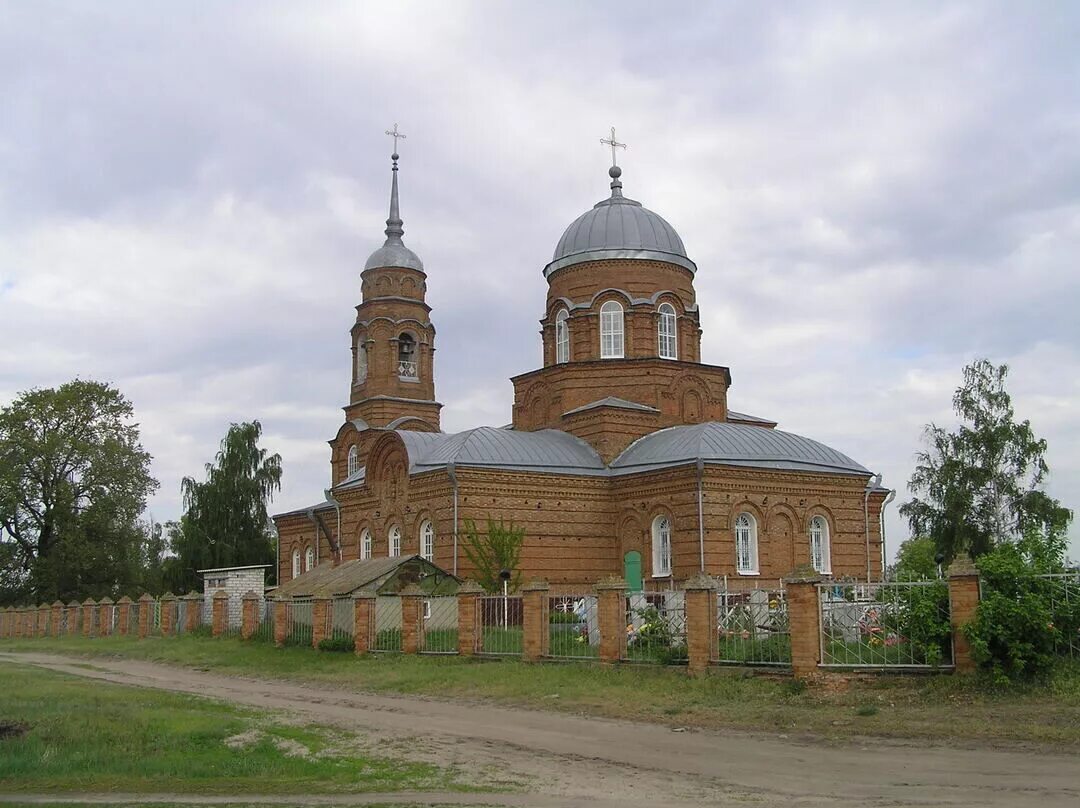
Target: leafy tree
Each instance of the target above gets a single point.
(494, 551)
(226, 523)
(915, 560)
(73, 480)
(981, 485)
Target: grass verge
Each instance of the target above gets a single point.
(70, 734)
(941, 708)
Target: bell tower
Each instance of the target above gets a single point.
(393, 339)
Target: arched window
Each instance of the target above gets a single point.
(365, 544)
(406, 351)
(611, 330)
(395, 541)
(562, 337)
(427, 540)
(361, 362)
(746, 557)
(354, 460)
(819, 544)
(295, 563)
(666, 335)
(661, 546)
(309, 559)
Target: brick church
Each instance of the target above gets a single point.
(622, 458)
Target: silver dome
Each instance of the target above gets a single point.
(394, 254)
(619, 227)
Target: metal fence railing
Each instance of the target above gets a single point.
(752, 627)
(1064, 595)
(341, 619)
(264, 629)
(656, 627)
(573, 626)
(387, 623)
(133, 619)
(439, 625)
(500, 620)
(298, 621)
(898, 624)
(181, 617)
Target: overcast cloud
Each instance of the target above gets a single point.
(874, 196)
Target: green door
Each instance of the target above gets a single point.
(632, 570)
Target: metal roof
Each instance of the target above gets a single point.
(394, 253)
(734, 445)
(546, 450)
(618, 227)
(750, 419)
(326, 580)
(612, 401)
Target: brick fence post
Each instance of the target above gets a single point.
(123, 617)
(105, 616)
(963, 601)
(611, 617)
(193, 611)
(88, 617)
(74, 611)
(320, 613)
(536, 621)
(56, 624)
(700, 594)
(281, 623)
(219, 613)
(43, 620)
(17, 623)
(363, 621)
(168, 614)
(5, 623)
(146, 603)
(412, 618)
(468, 598)
(249, 611)
(804, 620)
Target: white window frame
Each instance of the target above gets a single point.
(746, 544)
(427, 609)
(296, 568)
(820, 552)
(365, 544)
(612, 344)
(393, 542)
(661, 547)
(427, 540)
(361, 362)
(309, 559)
(353, 464)
(562, 337)
(667, 332)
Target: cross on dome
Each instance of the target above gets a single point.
(395, 134)
(614, 145)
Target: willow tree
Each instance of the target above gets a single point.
(981, 484)
(225, 522)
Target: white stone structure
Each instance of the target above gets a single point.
(236, 581)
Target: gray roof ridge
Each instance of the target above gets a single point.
(612, 401)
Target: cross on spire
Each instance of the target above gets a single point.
(395, 134)
(614, 145)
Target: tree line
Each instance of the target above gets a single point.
(74, 485)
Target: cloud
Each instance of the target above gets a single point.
(873, 196)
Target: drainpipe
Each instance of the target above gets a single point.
(451, 473)
(338, 556)
(881, 516)
(700, 513)
(873, 483)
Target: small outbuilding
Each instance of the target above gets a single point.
(236, 581)
(383, 576)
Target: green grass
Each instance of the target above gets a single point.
(734, 648)
(502, 641)
(90, 736)
(939, 707)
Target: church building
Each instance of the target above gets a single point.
(622, 458)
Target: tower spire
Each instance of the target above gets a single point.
(394, 225)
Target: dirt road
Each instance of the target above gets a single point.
(568, 760)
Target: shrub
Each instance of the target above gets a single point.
(338, 644)
(563, 617)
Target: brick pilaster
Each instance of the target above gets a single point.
(700, 622)
(105, 616)
(536, 622)
(281, 619)
(249, 615)
(963, 602)
(468, 598)
(804, 620)
(146, 603)
(88, 609)
(168, 614)
(363, 621)
(411, 618)
(193, 611)
(611, 617)
(320, 616)
(219, 613)
(123, 618)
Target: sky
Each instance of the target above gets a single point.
(874, 194)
